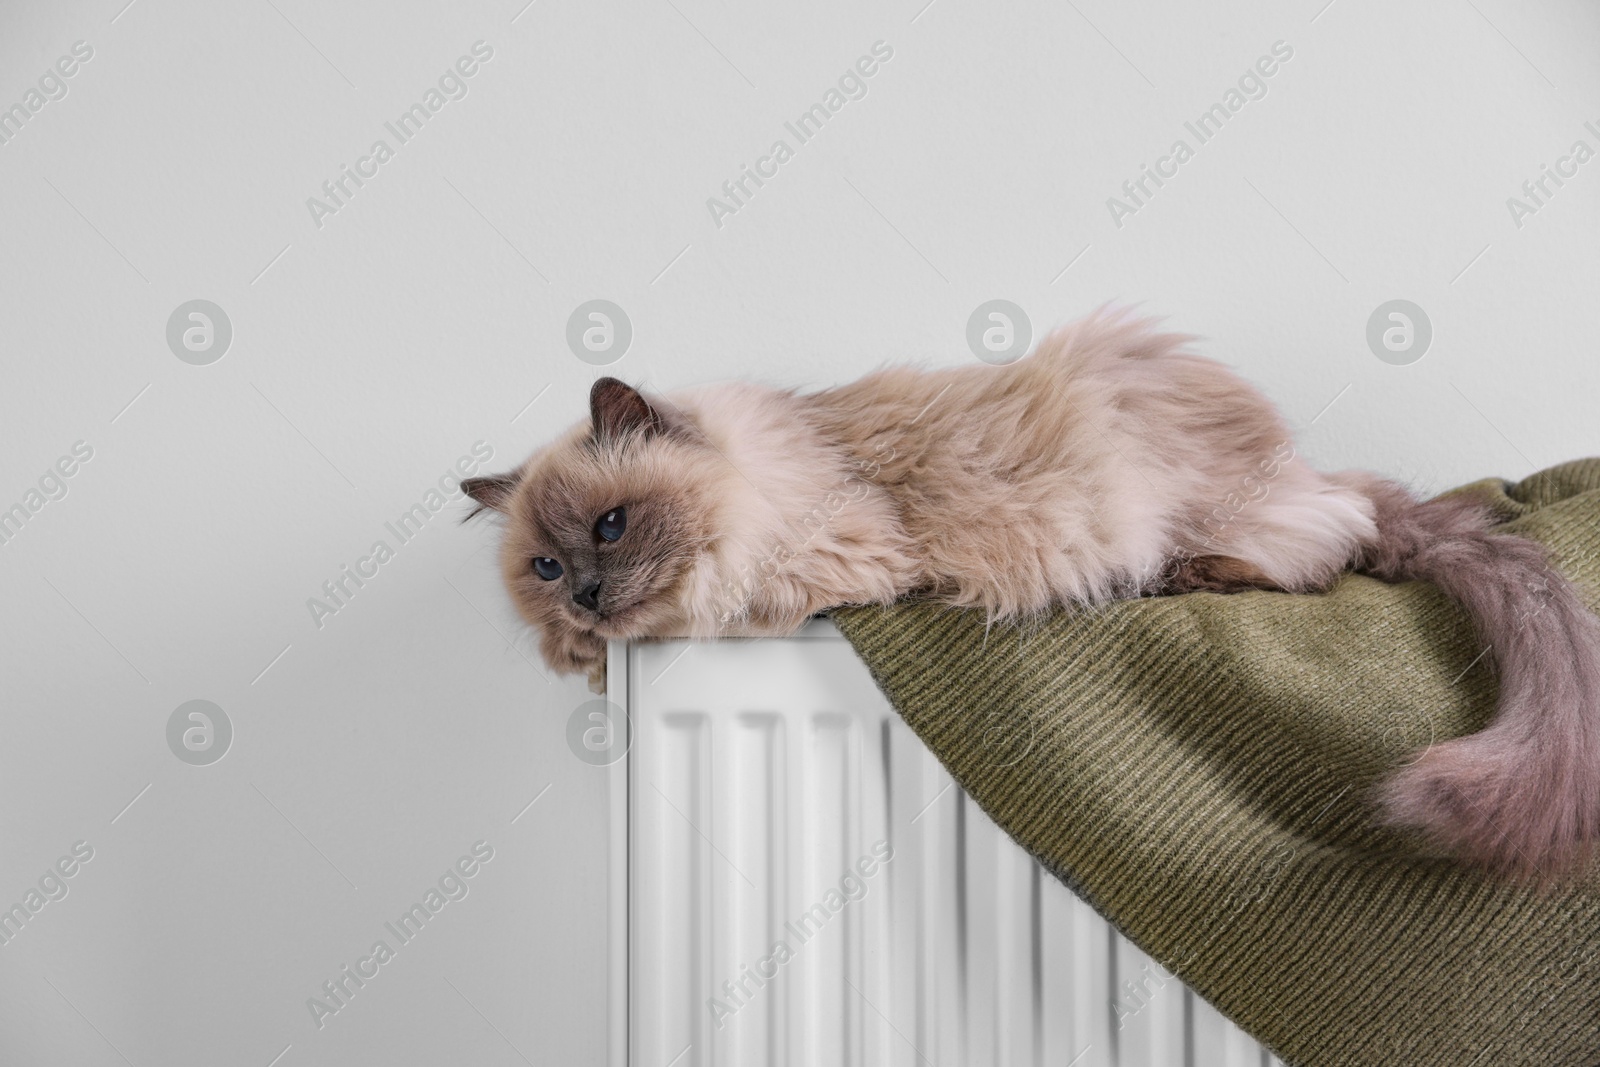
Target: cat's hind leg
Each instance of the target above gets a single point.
(1213, 574)
(1296, 532)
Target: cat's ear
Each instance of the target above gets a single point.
(492, 492)
(617, 410)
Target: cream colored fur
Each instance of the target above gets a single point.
(1109, 463)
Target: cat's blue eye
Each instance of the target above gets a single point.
(547, 568)
(612, 523)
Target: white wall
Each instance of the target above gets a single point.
(430, 310)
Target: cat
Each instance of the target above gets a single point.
(1094, 469)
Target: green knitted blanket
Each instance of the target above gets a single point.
(1198, 768)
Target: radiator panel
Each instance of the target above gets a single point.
(761, 776)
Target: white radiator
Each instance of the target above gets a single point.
(761, 774)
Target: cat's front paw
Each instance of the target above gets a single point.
(570, 651)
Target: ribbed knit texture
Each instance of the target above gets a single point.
(1199, 769)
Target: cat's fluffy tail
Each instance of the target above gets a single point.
(1523, 795)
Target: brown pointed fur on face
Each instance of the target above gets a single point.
(1110, 462)
(658, 475)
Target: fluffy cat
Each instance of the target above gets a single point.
(1108, 463)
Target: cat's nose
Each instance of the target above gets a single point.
(588, 596)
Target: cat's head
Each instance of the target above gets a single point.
(604, 526)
